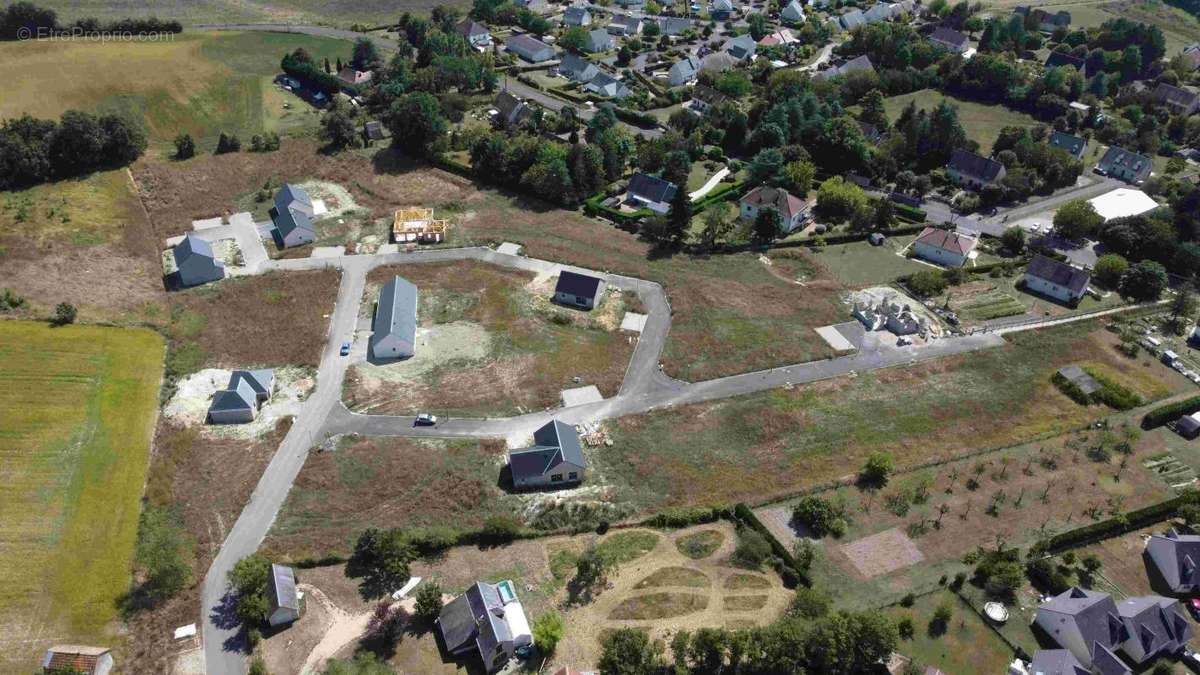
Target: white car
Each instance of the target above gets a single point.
(425, 420)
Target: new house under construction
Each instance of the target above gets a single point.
(416, 225)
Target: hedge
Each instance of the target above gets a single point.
(593, 207)
(909, 212)
(720, 193)
(686, 516)
(1170, 412)
(1117, 525)
(862, 236)
(635, 117)
(744, 516)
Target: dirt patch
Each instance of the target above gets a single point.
(744, 603)
(742, 582)
(882, 553)
(661, 605)
(675, 576)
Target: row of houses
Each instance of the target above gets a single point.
(587, 73)
(882, 11)
(974, 171)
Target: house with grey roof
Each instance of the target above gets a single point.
(852, 19)
(1154, 625)
(721, 10)
(529, 48)
(606, 85)
(880, 11)
(794, 12)
(1072, 145)
(394, 329)
(973, 171)
(578, 290)
(1191, 55)
(1178, 100)
(475, 33)
(650, 192)
(859, 64)
(293, 228)
(704, 98)
(291, 197)
(577, 16)
(511, 110)
(1124, 164)
(673, 25)
(1057, 280)
(1059, 59)
(282, 597)
(1177, 558)
(576, 68)
(718, 62)
(1087, 624)
(487, 619)
(241, 399)
(599, 40)
(624, 25)
(1056, 662)
(195, 261)
(555, 459)
(741, 47)
(684, 71)
(949, 39)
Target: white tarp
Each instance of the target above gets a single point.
(1122, 203)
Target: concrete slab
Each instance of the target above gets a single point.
(633, 321)
(853, 331)
(581, 396)
(319, 208)
(207, 223)
(835, 339)
(328, 252)
(510, 248)
(384, 249)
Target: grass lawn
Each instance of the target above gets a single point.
(860, 264)
(338, 13)
(981, 121)
(78, 405)
(198, 83)
(966, 646)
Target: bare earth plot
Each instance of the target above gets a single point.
(78, 405)
(881, 553)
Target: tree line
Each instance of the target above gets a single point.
(22, 20)
(35, 151)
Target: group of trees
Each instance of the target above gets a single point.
(34, 151)
(162, 559)
(22, 20)
(1032, 166)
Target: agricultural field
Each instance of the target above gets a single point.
(339, 13)
(981, 121)
(1178, 27)
(490, 342)
(748, 447)
(79, 405)
(196, 83)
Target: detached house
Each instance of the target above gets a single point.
(1155, 625)
(1085, 623)
(577, 16)
(351, 76)
(973, 171)
(1177, 559)
(577, 68)
(195, 261)
(1125, 165)
(944, 247)
(282, 596)
(1191, 55)
(950, 40)
(650, 192)
(241, 399)
(511, 110)
(1063, 59)
(793, 211)
(794, 12)
(556, 458)
(1045, 21)
(684, 71)
(1056, 662)
(1072, 145)
(394, 329)
(859, 64)
(78, 659)
(292, 213)
(1057, 280)
(704, 98)
(489, 619)
(741, 47)
(1178, 100)
(475, 33)
(721, 10)
(626, 26)
(578, 290)
(599, 40)
(851, 20)
(529, 48)
(673, 25)
(608, 86)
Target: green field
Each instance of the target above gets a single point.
(981, 121)
(77, 411)
(860, 264)
(966, 646)
(198, 83)
(340, 13)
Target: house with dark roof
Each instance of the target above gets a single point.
(718, 62)
(1056, 662)
(578, 290)
(721, 10)
(944, 247)
(293, 228)
(1063, 59)
(949, 39)
(673, 25)
(1079, 378)
(794, 12)
(576, 68)
(77, 659)
(1155, 625)
(880, 11)
(1072, 145)
(394, 329)
(599, 40)
(1125, 165)
(292, 197)
(556, 458)
(195, 261)
(577, 16)
(1057, 280)
(1191, 55)
(1178, 100)
(241, 399)
(859, 64)
(487, 619)
(282, 597)
(793, 211)
(624, 25)
(851, 20)
(475, 33)
(1177, 558)
(374, 131)
(511, 110)
(1045, 21)
(704, 98)
(973, 171)
(684, 71)
(650, 192)
(529, 48)
(1188, 426)
(741, 47)
(1087, 624)
(608, 86)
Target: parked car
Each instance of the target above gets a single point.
(345, 348)
(425, 420)
(1193, 606)
(1190, 659)
(904, 341)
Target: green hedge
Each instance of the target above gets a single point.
(1117, 525)
(593, 207)
(1170, 412)
(686, 516)
(912, 213)
(722, 192)
(789, 568)
(862, 236)
(636, 117)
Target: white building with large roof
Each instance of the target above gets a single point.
(1122, 203)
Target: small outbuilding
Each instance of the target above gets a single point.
(1080, 379)
(578, 290)
(394, 330)
(556, 458)
(282, 596)
(79, 659)
(1188, 426)
(196, 263)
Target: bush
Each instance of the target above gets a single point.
(228, 143)
(752, 549)
(547, 632)
(926, 283)
(64, 313)
(185, 146)
(876, 469)
(816, 514)
(1170, 412)
(429, 602)
(809, 603)
(905, 627)
(685, 516)
(500, 529)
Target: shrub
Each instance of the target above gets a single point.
(1170, 412)
(228, 143)
(10, 301)
(816, 514)
(809, 603)
(927, 283)
(185, 146)
(876, 469)
(64, 313)
(428, 602)
(752, 548)
(905, 627)
(547, 632)
(941, 619)
(500, 529)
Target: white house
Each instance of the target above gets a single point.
(1056, 280)
(793, 211)
(944, 247)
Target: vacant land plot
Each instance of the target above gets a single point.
(202, 83)
(1126, 570)
(859, 264)
(385, 482)
(987, 298)
(965, 645)
(341, 13)
(268, 320)
(981, 121)
(78, 405)
(519, 350)
(780, 441)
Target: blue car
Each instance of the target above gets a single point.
(345, 348)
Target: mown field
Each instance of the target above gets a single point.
(77, 410)
(340, 13)
(197, 83)
(981, 121)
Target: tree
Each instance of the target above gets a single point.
(591, 569)
(809, 603)
(185, 147)
(228, 143)
(364, 663)
(548, 630)
(752, 548)
(162, 553)
(758, 26)
(768, 225)
(718, 223)
(816, 514)
(1076, 220)
(1183, 305)
(1109, 270)
(416, 122)
(574, 39)
(766, 166)
(366, 56)
(873, 110)
(927, 283)
(381, 558)
(337, 128)
(798, 177)
(428, 603)
(64, 313)
(838, 199)
(249, 580)
(21, 20)
(1144, 281)
(877, 469)
(941, 619)
(1013, 240)
(1091, 562)
(628, 651)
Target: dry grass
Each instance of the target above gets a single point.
(744, 603)
(701, 544)
(662, 605)
(675, 576)
(746, 582)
